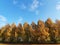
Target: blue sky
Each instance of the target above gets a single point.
(20, 11)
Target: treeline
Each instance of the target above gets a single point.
(42, 32)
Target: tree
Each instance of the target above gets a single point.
(21, 33)
(43, 33)
(58, 30)
(0, 36)
(50, 25)
(27, 32)
(34, 26)
(7, 33)
(34, 32)
(12, 37)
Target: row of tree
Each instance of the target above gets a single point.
(42, 32)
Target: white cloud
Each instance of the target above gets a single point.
(2, 18)
(41, 4)
(15, 2)
(58, 7)
(23, 6)
(37, 12)
(3, 21)
(58, 2)
(20, 20)
(34, 5)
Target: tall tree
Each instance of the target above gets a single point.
(21, 33)
(27, 31)
(42, 31)
(50, 24)
(13, 28)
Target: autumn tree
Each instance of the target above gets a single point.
(21, 33)
(34, 33)
(50, 25)
(7, 33)
(57, 23)
(13, 28)
(3, 34)
(42, 31)
(34, 26)
(27, 30)
(58, 26)
(0, 36)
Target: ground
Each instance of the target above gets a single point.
(29, 44)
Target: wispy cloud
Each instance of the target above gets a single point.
(23, 6)
(2, 18)
(37, 12)
(15, 2)
(58, 6)
(20, 20)
(41, 4)
(3, 21)
(34, 5)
